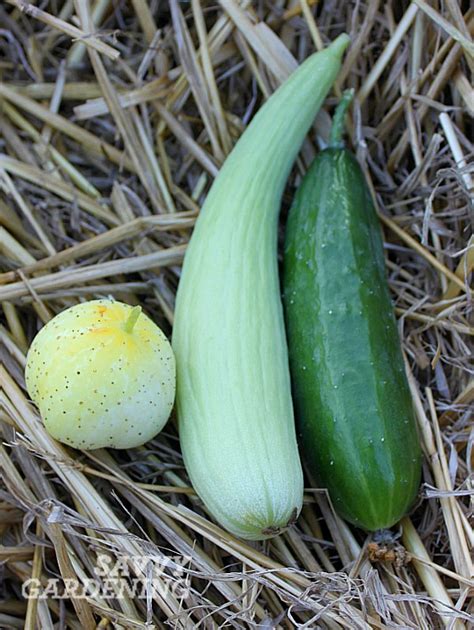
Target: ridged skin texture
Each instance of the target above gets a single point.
(234, 398)
(97, 385)
(352, 401)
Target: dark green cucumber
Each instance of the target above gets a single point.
(353, 406)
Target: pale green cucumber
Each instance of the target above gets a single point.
(234, 402)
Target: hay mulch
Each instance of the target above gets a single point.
(115, 117)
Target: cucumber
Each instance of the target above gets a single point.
(352, 401)
(234, 405)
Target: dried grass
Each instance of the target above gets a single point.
(110, 139)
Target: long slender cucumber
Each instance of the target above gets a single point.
(234, 403)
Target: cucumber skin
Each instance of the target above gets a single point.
(353, 406)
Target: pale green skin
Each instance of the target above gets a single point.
(234, 402)
(98, 384)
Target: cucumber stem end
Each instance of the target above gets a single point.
(337, 129)
(132, 319)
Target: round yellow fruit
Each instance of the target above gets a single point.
(103, 375)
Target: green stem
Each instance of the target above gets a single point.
(337, 129)
(132, 319)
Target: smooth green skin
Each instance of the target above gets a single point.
(234, 403)
(352, 400)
